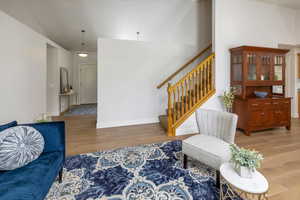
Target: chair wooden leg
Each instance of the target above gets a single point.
(218, 181)
(60, 176)
(185, 160)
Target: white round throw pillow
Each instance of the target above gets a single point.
(19, 146)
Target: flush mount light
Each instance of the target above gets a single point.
(83, 55)
(82, 52)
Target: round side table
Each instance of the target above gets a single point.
(255, 188)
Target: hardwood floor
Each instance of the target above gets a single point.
(281, 148)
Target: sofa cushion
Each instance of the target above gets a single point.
(19, 146)
(8, 125)
(53, 133)
(33, 181)
(207, 149)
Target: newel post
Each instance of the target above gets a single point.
(170, 121)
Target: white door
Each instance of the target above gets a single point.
(88, 84)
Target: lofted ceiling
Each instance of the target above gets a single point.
(62, 20)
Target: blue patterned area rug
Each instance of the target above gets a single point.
(149, 172)
(85, 109)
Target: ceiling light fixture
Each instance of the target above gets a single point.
(82, 52)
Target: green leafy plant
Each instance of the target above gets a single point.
(228, 98)
(245, 157)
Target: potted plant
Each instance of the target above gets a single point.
(245, 161)
(228, 98)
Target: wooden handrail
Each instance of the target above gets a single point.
(184, 66)
(201, 65)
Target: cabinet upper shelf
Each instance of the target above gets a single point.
(258, 65)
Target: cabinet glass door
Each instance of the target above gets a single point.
(251, 58)
(237, 67)
(278, 68)
(265, 69)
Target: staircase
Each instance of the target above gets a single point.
(189, 93)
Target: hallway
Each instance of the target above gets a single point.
(84, 109)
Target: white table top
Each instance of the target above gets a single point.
(256, 185)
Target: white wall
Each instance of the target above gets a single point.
(292, 73)
(237, 22)
(52, 80)
(298, 27)
(291, 78)
(128, 73)
(77, 61)
(23, 71)
(245, 22)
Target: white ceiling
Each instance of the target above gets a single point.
(62, 20)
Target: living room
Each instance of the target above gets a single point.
(227, 70)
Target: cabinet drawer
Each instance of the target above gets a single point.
(260, 105)
(281, 116)
(255, 106)
(282, 104)
(260, 117)
(286, 104)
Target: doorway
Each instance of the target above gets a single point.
(84, 85)
(88, 84)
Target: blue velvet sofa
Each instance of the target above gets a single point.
(33, 181)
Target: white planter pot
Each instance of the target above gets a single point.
(245, 172)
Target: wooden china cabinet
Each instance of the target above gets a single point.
(257, 69)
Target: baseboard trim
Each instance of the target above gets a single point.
(126, 123)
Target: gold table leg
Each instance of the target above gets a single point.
(233, 192)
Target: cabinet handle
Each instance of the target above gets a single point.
(254, 104)
(262, 114)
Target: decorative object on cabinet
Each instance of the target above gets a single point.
(228, 98)
(260, 94)
(259, 71)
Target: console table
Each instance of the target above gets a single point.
(66, 95)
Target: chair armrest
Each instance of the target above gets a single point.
(54, 135)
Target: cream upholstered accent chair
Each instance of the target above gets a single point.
(211, 146)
